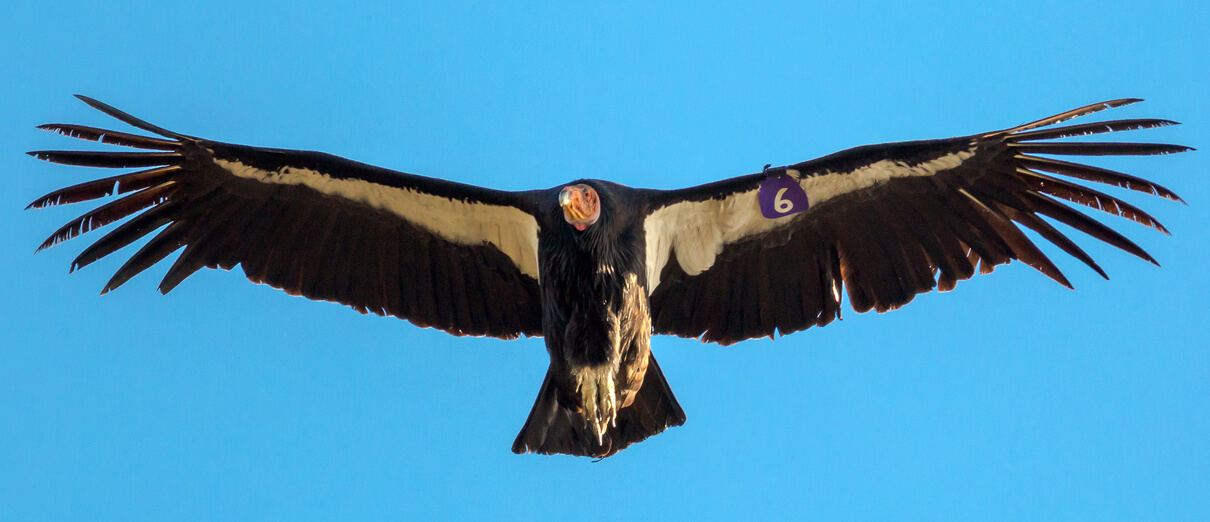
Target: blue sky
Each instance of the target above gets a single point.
(1010, 398)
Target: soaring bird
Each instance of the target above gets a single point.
(596, 267)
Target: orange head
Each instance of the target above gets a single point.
(581, 205)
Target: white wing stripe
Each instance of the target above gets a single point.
(698, 230)
(511, 230)
(828, 185)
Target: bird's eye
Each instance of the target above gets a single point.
(590, 199)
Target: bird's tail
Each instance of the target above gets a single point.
(553, 428)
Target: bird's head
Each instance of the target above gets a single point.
(581, 205)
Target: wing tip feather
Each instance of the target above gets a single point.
(57, 128)
(128, 119)
(1062, 280)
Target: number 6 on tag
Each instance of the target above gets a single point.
(781, 196)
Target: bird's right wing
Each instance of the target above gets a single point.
(455, 257)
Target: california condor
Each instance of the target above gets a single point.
(595, 267)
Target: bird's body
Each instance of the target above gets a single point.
(597, 268)
(598, 332)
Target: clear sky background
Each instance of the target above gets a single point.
(1010, 398)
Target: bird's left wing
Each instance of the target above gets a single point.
(451, 256)
(885, 222)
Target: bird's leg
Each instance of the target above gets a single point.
(597, 397)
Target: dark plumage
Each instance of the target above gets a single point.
(595, 267)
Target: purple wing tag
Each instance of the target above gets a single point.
(781, 196)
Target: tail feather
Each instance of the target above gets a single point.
(553, 428)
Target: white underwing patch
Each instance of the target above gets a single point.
(828, 185)
(511, 230)
(697, 231)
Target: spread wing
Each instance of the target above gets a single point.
(455, 257)
(885, 222)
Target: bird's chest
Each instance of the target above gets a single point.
(594, 303)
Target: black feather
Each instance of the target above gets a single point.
(166, 242)
(1048, 207)
(1090, 198)
(1086, 129)
(126, 233)
(1097, 174)
(100, 188)
(131, 120)
(109, 160)
(110, 212)
(1074, 113)
(110, 137)
(1099, 149)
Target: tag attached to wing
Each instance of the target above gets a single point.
(781, 196)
